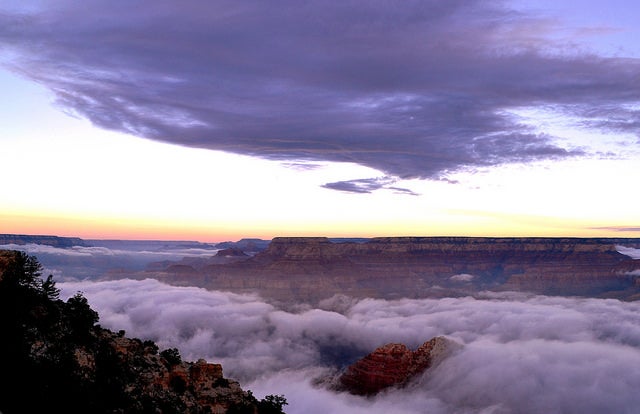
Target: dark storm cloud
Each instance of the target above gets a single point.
(519, 353)
(416, 89)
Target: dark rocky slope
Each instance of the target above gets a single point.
(392, 267)
(55, 358)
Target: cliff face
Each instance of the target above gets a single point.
(314, 268)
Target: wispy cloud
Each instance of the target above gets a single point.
(629, 251)
(368, 185)
(415, 91)
(577, 353)
(619, 228)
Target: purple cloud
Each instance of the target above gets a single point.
(368, 185)
(415, 91)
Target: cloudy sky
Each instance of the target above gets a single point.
(224, 119)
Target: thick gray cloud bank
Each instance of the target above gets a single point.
(519, 354)
(413, 90)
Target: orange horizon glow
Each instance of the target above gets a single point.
(136, 229)
(159, 191)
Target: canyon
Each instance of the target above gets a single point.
(316, 268)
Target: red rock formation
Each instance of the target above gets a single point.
(391, 365)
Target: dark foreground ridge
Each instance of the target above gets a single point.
(313, 268)
(55, 358)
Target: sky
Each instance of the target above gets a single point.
(220, 120)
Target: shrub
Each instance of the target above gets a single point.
(172, 355)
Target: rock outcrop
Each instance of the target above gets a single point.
(392, 267)
(246, 245)
(392, 365)
(231, 252)
(188, 386)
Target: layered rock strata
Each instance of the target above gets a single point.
(393, 267)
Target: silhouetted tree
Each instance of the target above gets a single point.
(172, 355)
(49, 288)
(272, 404)
(81, 318)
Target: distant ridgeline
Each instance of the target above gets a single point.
(314, 268)
(55, 241)
(249, 245)
(55, 358)
(258, 245)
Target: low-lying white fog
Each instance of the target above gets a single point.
(629, 251)
(80, 262)
(519, 353)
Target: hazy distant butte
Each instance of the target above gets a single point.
(392, 267)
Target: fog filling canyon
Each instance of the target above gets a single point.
(519, 353)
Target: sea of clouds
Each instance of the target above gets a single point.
(519, 353)
(103, 256)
